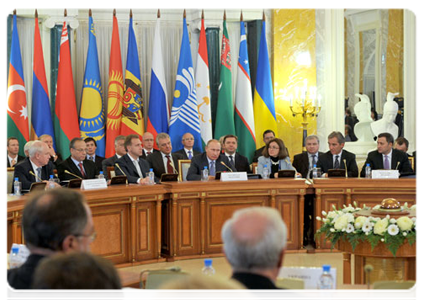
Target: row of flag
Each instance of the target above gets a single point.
(190, 112)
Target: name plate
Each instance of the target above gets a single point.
(385, 174)
(309, 275)
(233, 176)
(93, 184)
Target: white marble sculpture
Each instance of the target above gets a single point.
(362, 129)
(386, 124)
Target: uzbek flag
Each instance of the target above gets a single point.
(17, 109)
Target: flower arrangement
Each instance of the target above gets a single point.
(341, 223)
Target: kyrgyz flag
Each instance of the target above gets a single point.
(66, 118)
(133, 104)
(115, 95)
(225, 106)
(17, 110)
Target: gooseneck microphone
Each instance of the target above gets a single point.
(226, 166)
(117, 165)
(67, 172)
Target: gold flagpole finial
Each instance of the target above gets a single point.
(90, 13)
(130, 13)
(114, 12)
(36, 14)
(202, 14)
(242, 18)
(66, 12)
(264, 16)
(185, 14)
(158, 13)
(14, 12)
(224, 15)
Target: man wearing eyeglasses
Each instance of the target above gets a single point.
(56, 221)
(76, 166)
(188, 152)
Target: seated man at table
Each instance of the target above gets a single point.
(304, 161)
(76, 166)
(254, 243)
(12, 152)
(337, 157)
(131, 164)
(210, 159)
(57, 221)
(91, 152)
(240, 162)
(119, 152)
(401, 143)
(55, 158)
(385, 157)
(188, 151)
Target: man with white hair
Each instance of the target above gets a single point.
(254, 243)
(27, 146)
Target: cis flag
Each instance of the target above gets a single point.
(184, 117)
(17, 110)
(66, 117)
(264, 105)
(133, 104)
(244, 117)
(91, 119)
(158, 106)
(115, 96)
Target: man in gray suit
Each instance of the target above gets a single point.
(120, 151)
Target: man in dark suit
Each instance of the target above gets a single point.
(91, 148)
(119, 152)
(336, 157)
(35, 168)
(187, 152)
(76, 165)
(385, 157)
(401, 143)
(55, 158)
(246, 236)
(57, 221)
(131, 165)
(147, 144)
(12, 152)
(230, 144)
(304, 161)
(267, 136)
(164, 161)
(210, 159)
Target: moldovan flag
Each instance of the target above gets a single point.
(115, 96)
(66, 118)
(17, 110)
(244, 118)
(132, 110)
(264, 105)
(42, 122)
(91, 118)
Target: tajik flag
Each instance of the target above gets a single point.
(203, 88)
(244, 117)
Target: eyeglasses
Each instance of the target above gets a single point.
(80, 150)
(274, 148)
(189, 139)
(92, 236)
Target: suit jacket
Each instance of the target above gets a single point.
(241, 163)
(257, 154)
(22, 172)
(184, 154)
(155, 160)
(126, 165)
(200, 161)
(144, 153)
(20, 158)
(21, 278)
(98, 162)
(325, 162)
(108, 162)
(302, 164)
(375, 159)
(284, 164)
(90, 169)
(254, 281)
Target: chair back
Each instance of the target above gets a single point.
(10, 172)
(111, 172)
(183, 169)
(153, 279)
(290, 283)
(254, 167)
(396, 290)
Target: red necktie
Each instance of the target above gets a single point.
(148, 152)
(169, 165)
(82, 170)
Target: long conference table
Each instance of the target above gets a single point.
(182, 220)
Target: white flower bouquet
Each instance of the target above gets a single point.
(342, 224)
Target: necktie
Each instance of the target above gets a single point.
(38, 179)
(336, 166)
(137, 166)
(91, 158)
(212, 168)
(169, 165)
(189, 154)
(81, 168)
(13, 162)
(386, 165)
(231, 159)
(314, 160)
(148, 152)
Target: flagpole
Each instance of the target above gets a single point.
(242, 18)
(90, 14)
(158, 13)
(66, 13)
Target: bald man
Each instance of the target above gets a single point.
(147, 145)
(188, 142)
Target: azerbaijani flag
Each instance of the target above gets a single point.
(264, 105)
(66, 117)
(17, 109)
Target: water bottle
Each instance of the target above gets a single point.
(205, 174)
(51, 184)
(326, 279)
(17, 187)
(18, 255)
(315, 175)
(265, 172)
(101, 175)
(208, 269)
(151, 177)
(368, 171)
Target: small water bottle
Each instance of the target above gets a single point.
(151, 177)
(101, 175)
(326, 279)
(17, 187)
(368, 171)
(315, 175)
(51, 184)
(208, 269)
(265, 172)
(205, 174)
(14, 260)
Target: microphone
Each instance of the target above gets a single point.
(346, 170)
(32, 173)
(173, 166)
(226, 166)
(397, 165)
(67, 172)
(117, 165)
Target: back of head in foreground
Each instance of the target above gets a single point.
(76, 270)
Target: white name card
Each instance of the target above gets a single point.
(233, 176)
(309, 275)
(385, 174)
(93, 184)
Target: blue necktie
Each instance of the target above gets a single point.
(189, 154)
(212, 169)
